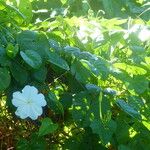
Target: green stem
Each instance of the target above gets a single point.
(100, 105)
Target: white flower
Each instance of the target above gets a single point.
(144, 35)
(29, 102)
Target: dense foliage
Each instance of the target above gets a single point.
(91, 61)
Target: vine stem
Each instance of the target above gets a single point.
(100, 105)
(58, 78)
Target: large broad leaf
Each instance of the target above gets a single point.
(36, 41)
(85, 108)
(128, 109)
(104, 130)
(81, 109)
(4, 79)
(32, 58)
(40, 74)
(55, 59)
(19, 73)
(47, 127)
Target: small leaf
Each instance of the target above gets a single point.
(110, 91)
(47, 127)
(12, 50)
(32, 58)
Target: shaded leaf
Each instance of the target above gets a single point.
(4, 78)
(47, 127)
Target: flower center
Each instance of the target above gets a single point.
(29, 101)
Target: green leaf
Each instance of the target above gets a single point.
(23, 144)
(66, 100)
(82, 109)
(71, 51)
(2, 51)
(4, 78)
(4, 61)
(19, 73)
(139, 84)
(12, 50)
(131, 69)
(55, 59)
(104, 130)
(25, 8)
(128, 109)
(14, 14)
(54, 103)
(40, 74)
(92, 88)
(80, 72)
(36, 41)
(99, 66)
(34, 142)
(123, 147)
(108, 6)
(47, 127)
(122, 131)
(32, 58)
(110, 91)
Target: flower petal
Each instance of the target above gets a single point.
(29, 90)
(39, 99)
(22, 112)
(34, 113)
(18, 99)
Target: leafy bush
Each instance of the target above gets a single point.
(92, 68)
